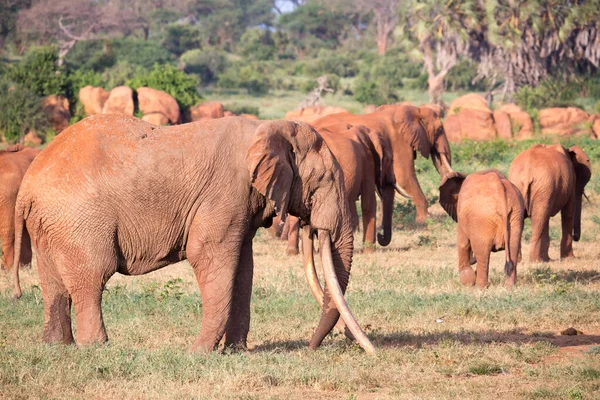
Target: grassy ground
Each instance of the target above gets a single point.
(435, 338)
(278, 102)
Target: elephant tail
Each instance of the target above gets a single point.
(509, 266)
(19, 224)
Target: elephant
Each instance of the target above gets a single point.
(489, 210)
(409, 130)
(551, 178)
(14, 162)
(113, 193)
(366, 160)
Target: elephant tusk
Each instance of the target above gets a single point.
(587, 198)
(445, 162)
(335, 291)
(401, 191)
(309, 265)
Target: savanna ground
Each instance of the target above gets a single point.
(435, 338)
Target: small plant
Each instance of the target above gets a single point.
(171, 289)
(486, 369)
(242, 109)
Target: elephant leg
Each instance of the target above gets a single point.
(515, 251)
(567, 222)
(236, 332)
(465, 271)
(57, 304)
(482, 253)
(285, 230)
(293, 236)
(368, 204)
(214, 265)
(7, 235)
(86, 285)
(540, 237)
(408, 180)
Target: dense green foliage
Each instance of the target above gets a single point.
(21, 111)
(38, 72)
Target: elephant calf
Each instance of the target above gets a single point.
(14, 162)
(551, 179)
(489, 210)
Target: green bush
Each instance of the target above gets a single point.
(21, 110)
(242, 109)
(168, 78)
(333, 82)
(121, 73)
(38, 72)
(328, 62)
(370, 91)
(206, 63)
(179, 38)
(253, 78)
(551, 92)
(99, 55)
(257, 44)
(461, 77)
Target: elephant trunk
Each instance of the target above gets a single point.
(441, 157)
(577, 222)
(336, 258)
(388, 211)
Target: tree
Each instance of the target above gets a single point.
(526, 41)
(440, 32)
(386, 17)
(9, 10)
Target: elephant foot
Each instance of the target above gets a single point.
(467, 276)
(292, 251)
(368, 248)
(539, 260)
(568, 255)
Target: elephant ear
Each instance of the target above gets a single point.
(270, 162)
(449, 190)
(409, 122)
(582, 165)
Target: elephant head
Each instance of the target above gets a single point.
(422, 129)
(291, 165)
(449, 189)
(583, 173)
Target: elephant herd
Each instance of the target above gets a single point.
(113, 193)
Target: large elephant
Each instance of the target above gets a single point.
(365, 157)
(551, 179)
(489, 210)
(409, 130)
(113, 194)
(14, 162)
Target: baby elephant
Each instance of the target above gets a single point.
(489, 211)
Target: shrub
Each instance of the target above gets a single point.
(206, 63)
(461, 77)
(257, 44)
(168, 78)
(551, 92)
(21, 110)
(250, 77)
(99, 55)
(38, 72)
(179, 38)
(121, 73)
(328, 62)
(369, 91)
(242, 109)
(333, 82)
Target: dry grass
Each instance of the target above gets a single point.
(489, 344)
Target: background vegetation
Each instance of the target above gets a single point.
(538, 53)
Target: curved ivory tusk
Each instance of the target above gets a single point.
(401, 191)
(309, 266)
(335, 291)
(445, 162)
(587, 198)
